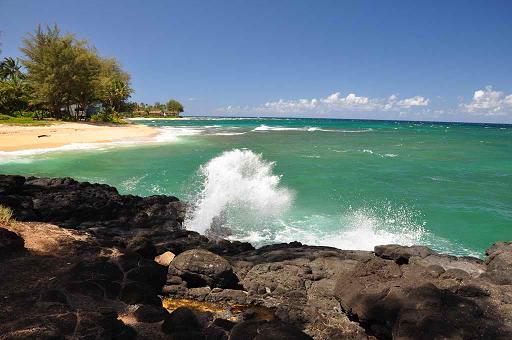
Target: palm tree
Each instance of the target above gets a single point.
(10, 69)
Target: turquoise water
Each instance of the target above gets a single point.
(349, 184)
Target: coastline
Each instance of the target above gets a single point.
(128, 273)
(19, 138)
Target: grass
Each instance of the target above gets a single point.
(8, 120)
(5, 215)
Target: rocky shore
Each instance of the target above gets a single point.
(82, 261)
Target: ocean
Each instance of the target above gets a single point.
(350, 184)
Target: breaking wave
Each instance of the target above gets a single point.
(238, 188)
(264, 127)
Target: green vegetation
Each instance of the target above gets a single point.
(172, 109)
(5, 215)
(61, 77)
(64, 78)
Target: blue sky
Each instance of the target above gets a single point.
(422, 60)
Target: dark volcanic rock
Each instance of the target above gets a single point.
(181, 320)
(142, 246)
(67, 202)
(10, 243)
(149, 313)
(201, 268)
(401, 254)
(77, 281)
(405, 301)
(264, 330)
(499, 263)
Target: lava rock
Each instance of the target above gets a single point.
(181, 320)
(142, 246)
(10, 243)
(401, 254)
(199, 268)
(149, 313)
(67, 202)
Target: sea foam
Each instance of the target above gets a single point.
(238, 187)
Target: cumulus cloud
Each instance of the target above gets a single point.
(489, 102)
(335, 102)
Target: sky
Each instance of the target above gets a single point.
(412, 60)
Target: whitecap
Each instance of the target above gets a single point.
(237, 186)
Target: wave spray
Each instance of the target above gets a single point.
(239, 188)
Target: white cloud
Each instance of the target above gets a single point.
(335, 102)
(414, 101)
(488, 102)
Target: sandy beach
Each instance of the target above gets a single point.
(15, 138)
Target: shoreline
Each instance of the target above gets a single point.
(144, 271)
(24, 138)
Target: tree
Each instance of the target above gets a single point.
(10, 69)
(114, 85)
(14, 92)
(50, 62)
(64, 71)
(174, 106)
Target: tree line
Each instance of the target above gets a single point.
(63, 77)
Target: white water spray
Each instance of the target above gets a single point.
(238, 183)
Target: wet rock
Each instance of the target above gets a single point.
(201, 268)
(149, 313)
(10, 243)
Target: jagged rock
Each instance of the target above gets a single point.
(198, 293)
(149, 313)
(392, 301)
(232, 295)
(499, 263)
(292, 289)
(165, 259)
(67, 202)
(10, 243)
(401, 254)
(201, 268)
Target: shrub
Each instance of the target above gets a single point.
(107, 118)
(4, 117)
(5, 215)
